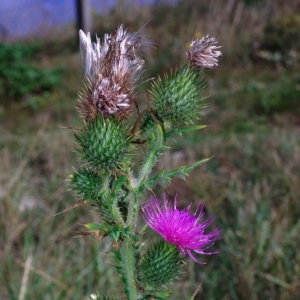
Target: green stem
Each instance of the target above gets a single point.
(127, 249)
(115, 211)
(154, 147)
(128, 260)
(117, 215)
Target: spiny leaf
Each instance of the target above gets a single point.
(166, 176)
(104, 229)
(98, 297)
(181, 130)
(117, 185)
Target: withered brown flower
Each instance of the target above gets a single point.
(111, 70)
(203, 52)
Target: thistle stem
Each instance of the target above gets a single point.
(127, 248)
(128, 259)
(155, 146)
(117, 215)
(115, 211)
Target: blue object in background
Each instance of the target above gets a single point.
(19, 18)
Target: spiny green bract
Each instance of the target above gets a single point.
(179, 99)
(87, 183)
(103, 143)
(160, 265)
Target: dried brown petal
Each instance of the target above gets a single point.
(203, 53)
(112, 70)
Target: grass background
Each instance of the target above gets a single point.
(251, 185)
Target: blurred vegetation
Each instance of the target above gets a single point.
(251, 184)
(20, 79)
(282, 34)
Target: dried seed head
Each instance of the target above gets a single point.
(203, 53)
(112, 70)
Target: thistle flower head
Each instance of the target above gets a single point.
(203, 52)
(112, 69)
(179, 227)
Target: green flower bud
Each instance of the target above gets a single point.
(87, 183)
(160, 265)
(103, 143)
(179, 100)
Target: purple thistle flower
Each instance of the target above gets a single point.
(179, 227)
(203, 53)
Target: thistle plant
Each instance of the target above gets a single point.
(107, 145)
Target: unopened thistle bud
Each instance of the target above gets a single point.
(88, 183)
(178, 98)
(160, 264)
(112, 70)
(203, 53)
(103, 144)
